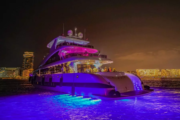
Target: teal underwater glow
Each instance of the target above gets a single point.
(162, 104)
(74, 101)
(126, 100)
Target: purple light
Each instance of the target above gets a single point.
(136, 81)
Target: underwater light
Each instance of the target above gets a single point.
(95, 100)
(64, 95)
(125, 100)
(87, 98)
(79, 98)
(73, 98)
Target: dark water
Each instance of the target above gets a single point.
(162, 104)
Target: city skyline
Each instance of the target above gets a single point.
(135, 35)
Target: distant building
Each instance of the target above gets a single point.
(158, 73)
(28, 60)
(17, 72)
(8, 72)
(25, 73)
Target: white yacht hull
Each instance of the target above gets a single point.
(85, 83)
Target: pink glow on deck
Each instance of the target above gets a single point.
(78, 49)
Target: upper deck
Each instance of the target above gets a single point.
(71, 49)
(62, 39)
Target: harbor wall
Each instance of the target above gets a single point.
(163, 83)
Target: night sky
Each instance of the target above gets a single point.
(144, 34)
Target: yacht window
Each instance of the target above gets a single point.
(53, 58)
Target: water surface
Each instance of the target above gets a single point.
(162, 104)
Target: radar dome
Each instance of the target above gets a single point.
(80, 35)
(70, 32)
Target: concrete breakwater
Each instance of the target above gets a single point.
(163, 83)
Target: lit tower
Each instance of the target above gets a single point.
(28, 60)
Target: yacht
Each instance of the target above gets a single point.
(73, 66)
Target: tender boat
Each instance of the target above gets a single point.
(73, 66)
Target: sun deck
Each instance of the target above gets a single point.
(62, 39)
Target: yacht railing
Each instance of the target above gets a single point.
(85, 54)
(56, 58)
(59, 70)
(74, 44)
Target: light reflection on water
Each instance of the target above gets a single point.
(161, 104)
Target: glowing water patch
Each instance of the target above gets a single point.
(95, 100)
(72, 98)
(64, 95)
(126, 100)
(87, 98)
(77, 98)
(80, 100)
(75, 101)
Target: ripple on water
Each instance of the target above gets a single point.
(161, 104)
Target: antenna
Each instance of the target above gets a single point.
(63, 29)
(84, 34)
(75, 29)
